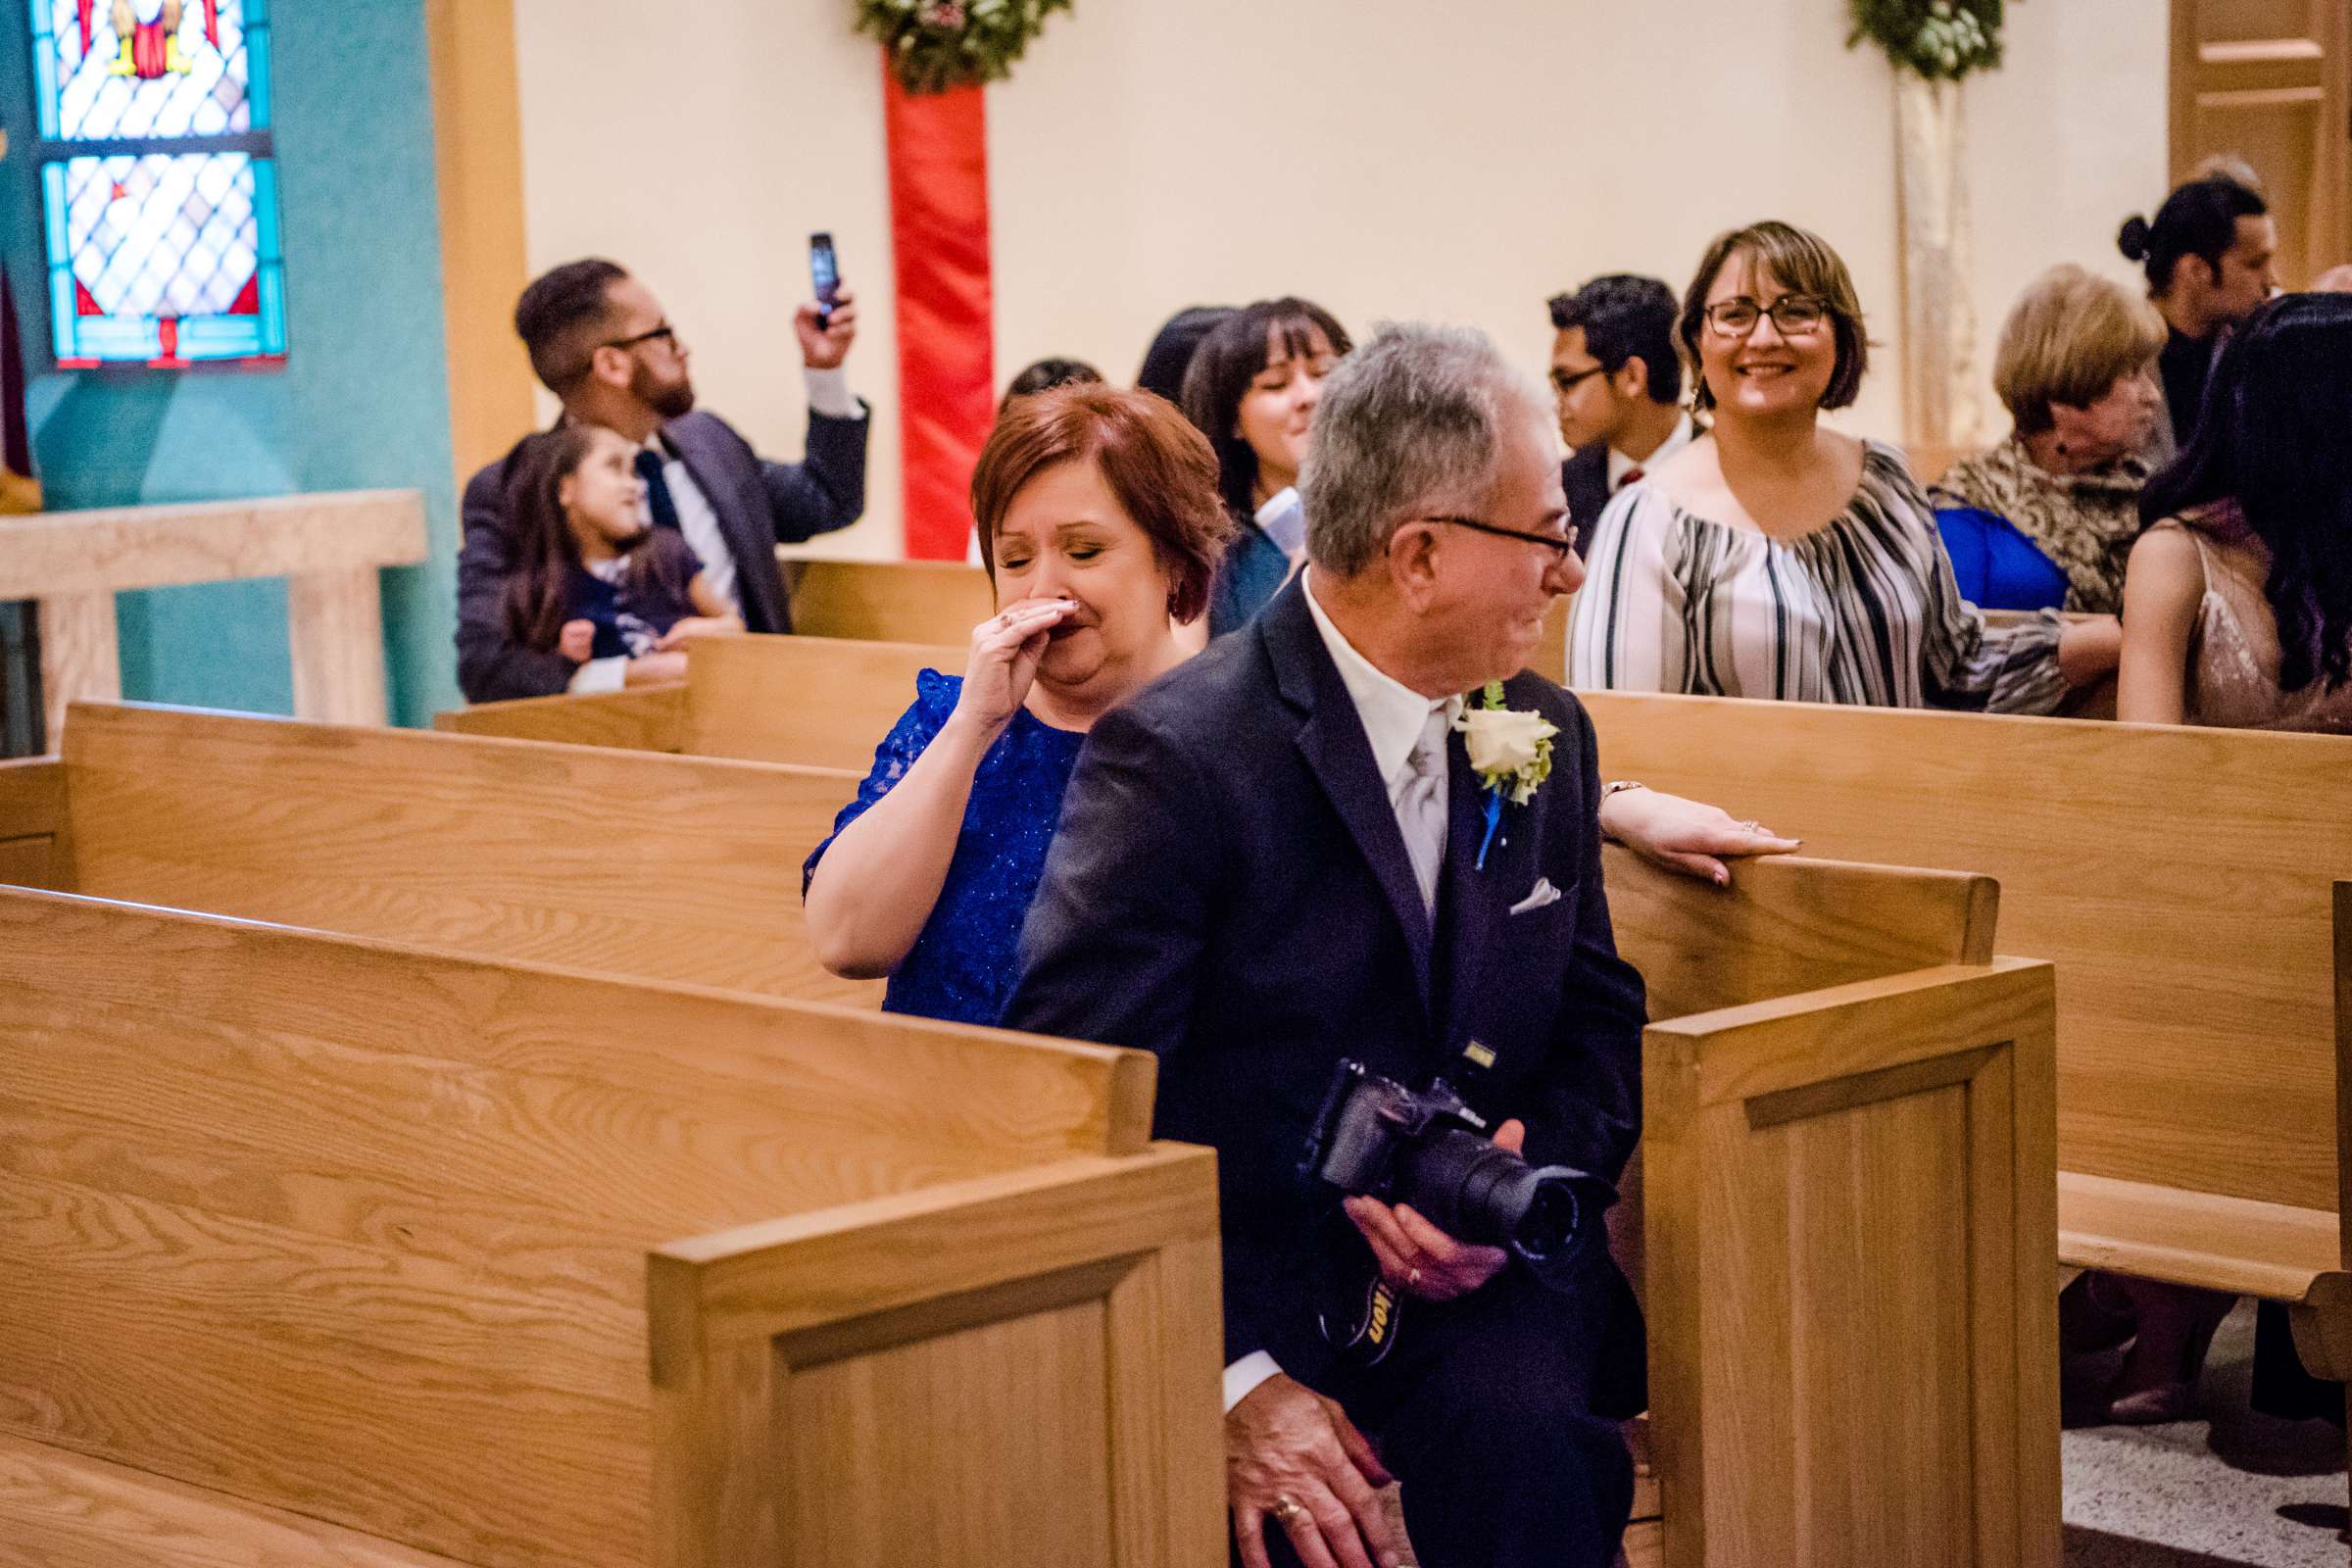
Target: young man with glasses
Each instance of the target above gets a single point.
(1617, 388)
(600, 341)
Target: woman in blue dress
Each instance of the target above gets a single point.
(1101, 525)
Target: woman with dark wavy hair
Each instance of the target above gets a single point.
(2237, 604)
(2237, 611)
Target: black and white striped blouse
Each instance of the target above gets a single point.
(1862, 610)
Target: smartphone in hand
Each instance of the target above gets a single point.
(825, 270)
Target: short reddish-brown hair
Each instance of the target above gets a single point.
(1161, 470)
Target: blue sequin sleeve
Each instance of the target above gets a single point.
(935, 698)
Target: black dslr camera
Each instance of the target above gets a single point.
(1428, 1147)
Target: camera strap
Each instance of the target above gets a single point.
(1366, 1329)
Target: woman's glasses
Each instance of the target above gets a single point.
(1792, 315)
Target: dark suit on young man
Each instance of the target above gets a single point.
(758, 504)
(1229, 888)
(1585, 477)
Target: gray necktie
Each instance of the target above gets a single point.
(1421, 808)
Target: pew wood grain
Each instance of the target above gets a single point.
(936, 602)
(395, 1240)
(2179, 877)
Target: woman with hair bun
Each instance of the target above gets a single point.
(2211, 257)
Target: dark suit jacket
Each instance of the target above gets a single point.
(760, 505)
(1229, 889)
(1584, 475)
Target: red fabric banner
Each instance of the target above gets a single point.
(946, 365)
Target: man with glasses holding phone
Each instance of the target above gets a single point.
(600, 341)
(1617, 387)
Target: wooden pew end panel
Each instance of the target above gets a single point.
(1014, 1369)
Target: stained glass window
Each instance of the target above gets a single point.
(159, 181)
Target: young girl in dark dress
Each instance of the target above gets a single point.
(591, 578)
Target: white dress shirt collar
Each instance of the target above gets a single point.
(1393, 713)
(1682, 434)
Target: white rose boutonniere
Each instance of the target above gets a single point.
(1510, 750)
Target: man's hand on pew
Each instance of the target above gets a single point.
(1691, 837)
(1294, 1459)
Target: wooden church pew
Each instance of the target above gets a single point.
(1826, 1019)
(2179, 878)
(814, 701)
(329, 1250)
(888, 601)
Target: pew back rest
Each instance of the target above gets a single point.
(636, 718)
(361, 1231)
(2177, 876)
(812, 700)
(1791, 924)
(627, 863)
(936, 602)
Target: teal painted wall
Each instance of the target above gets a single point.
(362, 402)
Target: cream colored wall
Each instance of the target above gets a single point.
(1387, 158)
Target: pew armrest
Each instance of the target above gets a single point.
(865, 1372)
(1850, 1228)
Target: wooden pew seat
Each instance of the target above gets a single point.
(2179, 879)
(308, 1235)
(1814, 1022)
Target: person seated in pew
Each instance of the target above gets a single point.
(1774, 557)
(1251, 389)
(2045, 520)
(591, 578)
(1044, 375)
(1272, 861)
(1172, 349)
(2211, 257)
(2237, 613)
(1099, 521)
(1617, 387)
(600, 341)
(2238, 601)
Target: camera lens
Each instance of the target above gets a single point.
(1470, 1189)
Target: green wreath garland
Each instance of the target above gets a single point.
(937, 44)
(1943, 40)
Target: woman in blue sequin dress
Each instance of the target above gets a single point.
(1101, 525)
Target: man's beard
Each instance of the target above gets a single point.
(670, 399)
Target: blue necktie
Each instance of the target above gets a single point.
(658, 499)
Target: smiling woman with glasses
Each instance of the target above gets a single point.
(1775, 558)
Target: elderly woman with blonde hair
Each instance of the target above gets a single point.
(2045, 520)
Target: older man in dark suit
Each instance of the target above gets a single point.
(1306, 845)
(599, 340)
(1617, 389)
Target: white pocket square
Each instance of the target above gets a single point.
(1542, 894)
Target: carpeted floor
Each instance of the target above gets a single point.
(2225, 1488)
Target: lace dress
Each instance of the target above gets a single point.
(2233, 652)
(962, 966)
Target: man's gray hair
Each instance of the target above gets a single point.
(1412, 421)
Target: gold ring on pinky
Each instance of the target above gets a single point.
(1288, 1509)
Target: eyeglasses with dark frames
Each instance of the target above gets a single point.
(1563, 383)
(1792, 315)
(1562, 544)
(664, 334)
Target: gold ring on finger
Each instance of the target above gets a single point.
(1412, 1277)
(1289, 1509)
